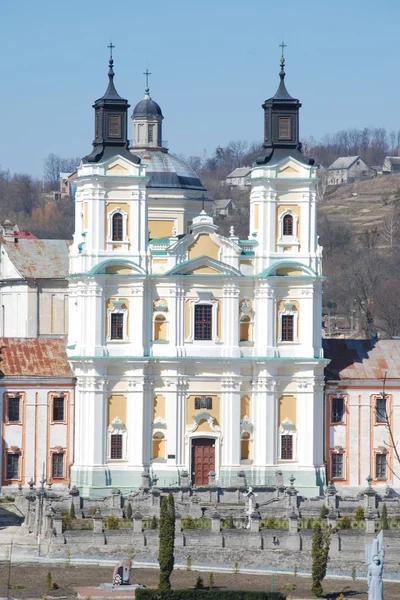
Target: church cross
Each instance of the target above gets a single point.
(283, 46)
(147, 73)
(111, 46)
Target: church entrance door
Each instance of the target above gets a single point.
(203, 459)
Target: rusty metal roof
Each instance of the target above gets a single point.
(33, 357)
(362, 359)
(39, 259)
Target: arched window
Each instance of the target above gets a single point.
(288, 225)
(117, 227)
(158, 445)
(245, 446)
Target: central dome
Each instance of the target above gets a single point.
(168, 171)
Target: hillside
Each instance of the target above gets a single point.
(369, 209)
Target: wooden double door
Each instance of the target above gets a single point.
(203, 459)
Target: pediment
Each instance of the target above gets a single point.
(204, 265)
(119, 166)
(203, 244)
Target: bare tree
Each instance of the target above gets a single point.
(390, 230)
(54, 165)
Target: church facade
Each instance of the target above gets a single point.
(194, 352)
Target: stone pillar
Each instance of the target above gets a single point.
(57, 524)
(331, 518)
(184, 476)
(48, 523)
(75, 498)
(291, 496)
(331, 496)
(335, 548)
(156, 499)
(181, 392)
(293, 522)
(137, 523)
(369, 496)
(179, 539)
(254, 522)
(116, 499)
(97, 523)
(293, 540)
(145, 481)
(370, 522)
(215, 522)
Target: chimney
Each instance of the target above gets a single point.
(8, 231)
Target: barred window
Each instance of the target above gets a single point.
(337, 465)
(12, 466)
(287, 328)
(288, 225)
(14, 409)
(57, 468)
(117, 326)
(58, 409)
(116, 446)
(337, 410)
(203, 402)
(380, 466)
(203, 322)
(117, 227)
(380, 410)
(287, 447)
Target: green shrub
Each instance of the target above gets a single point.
(111, 522)
(154, 523)
(195, 594)
(359, 514)
(189, 523)
(199, 583)
(49, 580)
(166, 543)
(236, 566)
(319, 555)
(210, 580)
(94, 510)
(66, 521)
(72, 511)
(288, 587)
(129, 511)
(228, 522)
(188, 562)
(295, 570)
(353, 573)
(344, 522)
(309, 524)
(324, 512)
(17, 586)
(270, 523)
(384, 517)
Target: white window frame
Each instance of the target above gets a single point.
(288, 311)
(117, 309)
(110, 243)
(117, 427)
(287, 428)
(204, 298)
(289, 240)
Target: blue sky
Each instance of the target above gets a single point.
(213, 64)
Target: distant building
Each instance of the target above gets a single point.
(222, 208)
(348, 169)
(67, 186)
(239, 177)
(357, 412)
(34, 288)
(391, 164)
(37, 411)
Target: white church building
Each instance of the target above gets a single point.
(194, 351)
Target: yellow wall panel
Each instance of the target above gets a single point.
(203, 246)
(116, 408)
(287, 409)
(160, 229)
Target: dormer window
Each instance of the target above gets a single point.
(284, 128)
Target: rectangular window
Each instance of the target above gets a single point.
(117, 326)
(284, 132)
(114, 126)
(380, 410)
(116, 446)
(203, 322)
(203, 402)
(12, 466)
(337, 410)
(57, 468)
(151, 133)
(14, 409)
(287, 328)
(287, 447)
(337, 465)
(380, 466)
(58, 409)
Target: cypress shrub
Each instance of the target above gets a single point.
(129, 511)
(384, 517)
(166, 542)
(319, 555)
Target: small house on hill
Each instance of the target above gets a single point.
(348, 169)
(222, 207)
(391, 164)
(239, 177)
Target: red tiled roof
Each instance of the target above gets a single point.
(33, 357)
(362, 359)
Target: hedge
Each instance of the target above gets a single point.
(192, 594)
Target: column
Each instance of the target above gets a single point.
(139, 415)
(230, 417)
(306, 321)
(230, 319)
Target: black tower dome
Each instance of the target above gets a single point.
(147, 107)
(281, 126)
